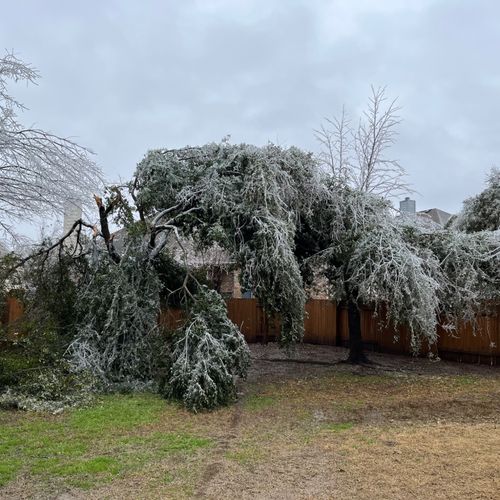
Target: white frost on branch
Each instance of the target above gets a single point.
(39, 171)
(118, 323)
(357, 157)
(246, 199)
(208, 353)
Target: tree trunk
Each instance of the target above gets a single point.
(356, 353)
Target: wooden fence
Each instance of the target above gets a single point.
(11, 312)
(327, 324)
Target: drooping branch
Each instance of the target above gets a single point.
(75, 228)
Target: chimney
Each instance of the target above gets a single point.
(407, 206)
(72, 212)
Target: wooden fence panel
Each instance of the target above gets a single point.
(320, 325)
(171, 319)
(327, 324)
(465, 344)
(11, 314)
(14, 309)
(248, 316)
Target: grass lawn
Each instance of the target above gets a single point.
(401, 429)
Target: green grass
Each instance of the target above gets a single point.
(162, 444)
(465, 380)
(90, 446)
(248, 452)
(257, 402)
(338, 426)
(8, 470)
(118, 413)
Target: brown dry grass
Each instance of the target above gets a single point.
(402, 428)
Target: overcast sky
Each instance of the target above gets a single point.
(123, 77)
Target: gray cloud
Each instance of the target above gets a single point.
(124, 77)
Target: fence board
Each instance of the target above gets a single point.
(320, 326)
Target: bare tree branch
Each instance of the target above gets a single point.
(39, 170)
(358, 158)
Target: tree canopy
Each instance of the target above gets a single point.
(482, 212)
(245, 198)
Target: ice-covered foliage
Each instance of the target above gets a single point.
(208, 353)
(33, 372)
(49, 389)
(118, 319)
(248, 200)
(384, 269)
(470, 267)
(367, 260)
(340, 218)
(418, 274)
(481, 212)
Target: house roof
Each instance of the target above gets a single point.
(436, 215)
(215, 256)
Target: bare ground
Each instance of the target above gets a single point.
(311, 427)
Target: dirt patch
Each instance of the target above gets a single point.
(332, 355)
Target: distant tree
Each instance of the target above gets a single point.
(39, 171)
(481, 212)
(356, 156)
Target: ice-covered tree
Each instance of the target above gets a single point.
(208, 351)
(39, 171)
(470, 267)
(245, 198)
(481, 212)
(419, 276)
(358, 156)
(118, 318)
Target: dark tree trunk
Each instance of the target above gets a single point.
(356, 352)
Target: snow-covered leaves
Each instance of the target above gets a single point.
(207, 354)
